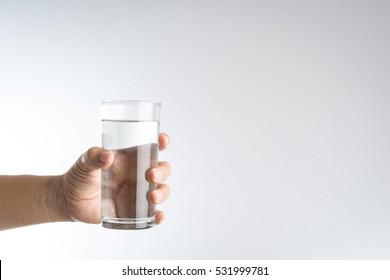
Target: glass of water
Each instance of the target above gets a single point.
(130, 129)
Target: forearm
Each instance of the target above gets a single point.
(28, 200)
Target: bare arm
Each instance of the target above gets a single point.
(27, 200)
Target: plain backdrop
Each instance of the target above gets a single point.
(278, 112)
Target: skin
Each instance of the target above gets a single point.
(74, 196)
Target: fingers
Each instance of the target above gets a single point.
(159, 174)
(160, 194)
(160, 216)
(163, 141)
(95, 158)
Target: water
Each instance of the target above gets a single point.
(125, 190)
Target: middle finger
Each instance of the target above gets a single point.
(159, 174)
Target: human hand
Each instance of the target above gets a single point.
(80, 189)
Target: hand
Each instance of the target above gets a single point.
(80, 190)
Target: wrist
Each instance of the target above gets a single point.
(57, 207)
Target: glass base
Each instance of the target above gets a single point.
(127, 223)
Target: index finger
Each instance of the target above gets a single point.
(163, 141)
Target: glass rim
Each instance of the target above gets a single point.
(129, 102)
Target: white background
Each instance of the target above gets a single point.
(278, 113)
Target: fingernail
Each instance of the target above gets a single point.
(103, 157)
(157, 175)
(159, 196)
(162, 220)
(168, 141)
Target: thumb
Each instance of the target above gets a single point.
(95, 158)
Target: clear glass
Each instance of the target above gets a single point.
(131, 130)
